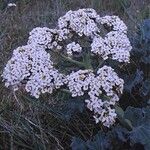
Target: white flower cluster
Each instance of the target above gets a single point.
(73, 47)
(106, 82)
(81, 21)
(103, 111)
(47, 38)
(113, 21)
(32, 64)
(79, 81)
(115, 46)
(11, 5)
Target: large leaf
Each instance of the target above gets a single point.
(145, 27)
(140, 119)
(78, 144)
(141, 134)
(119, 133)
(132, 81)
(141, 43)
(134, 115)
(99, 142)
(145, 90)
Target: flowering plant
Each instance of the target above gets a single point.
(80, 40)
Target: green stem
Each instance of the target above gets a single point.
(125, 123)
(73, 61)
(70, 60)
(120, 115)
(87, 61)
(101, 62)
(66, 91)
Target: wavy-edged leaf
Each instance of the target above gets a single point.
(99, 142)
(145, 90)
(131, 82)
(78, 144)
(140, 119)
(146, 29)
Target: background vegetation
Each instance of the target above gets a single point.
(27, 123)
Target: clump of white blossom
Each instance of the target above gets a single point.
(81, 21)
(108, 85)
(105, 82)
(115, 45)
(79, 81)
(32, 67)
(114, 22)
(73, 47)
(48, 38)
(11, 5)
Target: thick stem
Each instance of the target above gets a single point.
(73, 61)
(87, 61)
(70, 59)
(65, 90)
(101, 62)
(120, 115)
(125, 123)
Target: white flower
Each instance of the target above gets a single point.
(105, 84)
(99, 47)
(115, 46)
(33, 65)
(102, 111)
(80, 21)
(73, 47)
(108, 81)
(113, 21)
(78, 82)
(40, 36)
(11, 5)
(47, 38)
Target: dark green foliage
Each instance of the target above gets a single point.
(134, 128)
(140, 119)
(132, 81)
(99, 142)
(137, 74)
(146, 30)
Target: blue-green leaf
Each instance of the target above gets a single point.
(140, 119)
(78, 144)
(146, 29)
(131, 82)
(99, 142)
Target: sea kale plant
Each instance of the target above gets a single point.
(85, 40)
